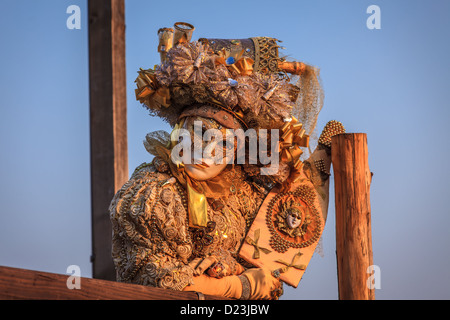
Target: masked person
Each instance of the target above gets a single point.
(180, 221)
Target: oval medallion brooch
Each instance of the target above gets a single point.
(293, 219)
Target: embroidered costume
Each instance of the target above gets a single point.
(173, 230)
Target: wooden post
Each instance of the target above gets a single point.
(108, 123)
(352, 180)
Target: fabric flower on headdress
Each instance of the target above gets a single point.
(249, 95)
(234, 68)
(189, 63)
(225, 91)
(280, 100)
(267, 95)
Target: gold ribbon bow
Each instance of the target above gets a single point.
(242, 65)
(292, 138)
(254, 243)
(292, 264)
(149, 93)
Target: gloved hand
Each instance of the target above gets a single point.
(263, 285)
(212, 277)
(230, 287)
(253, 284)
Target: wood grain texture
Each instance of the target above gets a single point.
(108, 123)
(22, 284)
(352, 180)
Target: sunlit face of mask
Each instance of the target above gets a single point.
(293, 219)
(208, 152)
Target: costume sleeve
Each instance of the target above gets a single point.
(150, 243)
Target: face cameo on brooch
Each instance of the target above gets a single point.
(293, 220)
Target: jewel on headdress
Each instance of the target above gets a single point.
(230, 60)
(232, 82)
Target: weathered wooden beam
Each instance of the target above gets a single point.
(108, 123)
(352, 179)
(22, 284)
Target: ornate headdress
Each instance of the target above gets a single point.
(246, 78)
(239, 83)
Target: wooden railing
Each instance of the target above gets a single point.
(22, 284)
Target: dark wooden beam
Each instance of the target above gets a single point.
(22, 284)
(108, 123)
(352, 178)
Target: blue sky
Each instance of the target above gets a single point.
(392, 84)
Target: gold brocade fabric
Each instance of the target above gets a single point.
(162, 218)
(152, 241)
